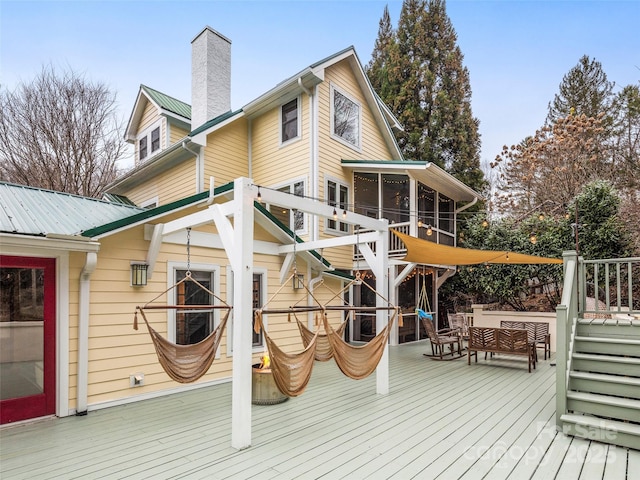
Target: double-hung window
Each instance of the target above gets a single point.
(338, 197)
(193, 326)
(293, 219)
(345, 118)
(148, 142)
(289, 121)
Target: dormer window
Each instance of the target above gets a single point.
(149, 141)
(289, 121)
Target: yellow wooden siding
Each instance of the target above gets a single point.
(226, 153)
(174, 184)
(176, 133)
(332, 151)
(274, 164)
(116, 351)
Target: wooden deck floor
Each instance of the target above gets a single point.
(443, 420)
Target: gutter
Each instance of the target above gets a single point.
(199, 168)
(83, 332)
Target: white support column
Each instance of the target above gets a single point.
(381, 270)
(242, 265)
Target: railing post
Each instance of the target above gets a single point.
(566, 311)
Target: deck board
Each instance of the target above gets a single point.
(441, 419)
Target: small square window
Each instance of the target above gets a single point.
(290, 120)
(155, 139)
(143, 148)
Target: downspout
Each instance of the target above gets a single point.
(314, 231)
(83, 332)
(199, 168)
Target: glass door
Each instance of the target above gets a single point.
(27, 338)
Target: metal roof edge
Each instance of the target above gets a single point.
(154, 212)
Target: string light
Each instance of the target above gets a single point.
(344, 213)
(259, 197)
(429, 230)
(335, 214)
(419, 223)
(533, 238)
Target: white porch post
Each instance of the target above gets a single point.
(242, 265)
(381, 271)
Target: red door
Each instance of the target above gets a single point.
(27, 338)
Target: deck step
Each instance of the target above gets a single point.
(604, 405)
(620, 386)
(602, 430)
(608, 345)
(589, 362)
(609, 327)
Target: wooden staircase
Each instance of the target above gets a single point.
(603, 383)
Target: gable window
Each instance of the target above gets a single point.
(293, 219)
(345, 118)
(155, 139)
(142, 148)
(290, 121)
(193, 326)
(337, 196)
(149, 141)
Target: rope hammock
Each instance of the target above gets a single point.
(359, 361)
(423, 307)
(291, 372)
(185, 363)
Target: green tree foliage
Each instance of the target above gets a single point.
(418, 72)
(601, 234)
(585, 90)
(627, 136)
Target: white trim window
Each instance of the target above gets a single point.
(187, 327)
(346, 118)
(295, 220)
(258, 296)
(290, 121)
(337, 196)
(148, 142)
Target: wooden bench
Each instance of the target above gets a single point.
(538, 333)
(509, 341)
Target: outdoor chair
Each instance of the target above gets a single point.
(459, 321)
(440, 338)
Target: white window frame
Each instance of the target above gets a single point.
(358, 145)
(291, 184)
(146, 133)
(150, 203)
(172, 267)
(298, 122)
(339, 209)
(265, 318)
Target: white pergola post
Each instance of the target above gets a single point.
(242, 265)
(381, 271)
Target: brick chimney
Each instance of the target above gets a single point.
(210, 76)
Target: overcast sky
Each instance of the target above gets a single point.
(516, 51)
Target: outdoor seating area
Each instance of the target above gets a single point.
(439, 339)
(493, 340)
(405, 434)
(538, 333)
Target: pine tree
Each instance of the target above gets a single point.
(584, 90)
(418, 72)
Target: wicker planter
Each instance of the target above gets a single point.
(263, 387)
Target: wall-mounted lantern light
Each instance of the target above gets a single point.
(298, 281)
(139, 274)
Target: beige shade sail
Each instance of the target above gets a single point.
(423, 251)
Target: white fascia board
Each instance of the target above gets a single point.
(18, 244)
(136, 114)
(306, 205)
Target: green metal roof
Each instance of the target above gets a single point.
(153, 212)
(36, 211)
(168, 103)
(214, 121)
